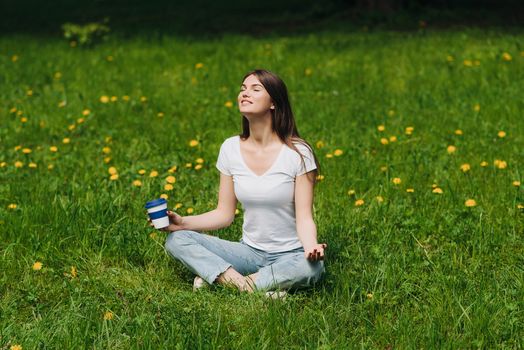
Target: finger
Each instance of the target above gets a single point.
(324, 245)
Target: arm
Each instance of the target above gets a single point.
(306, 228)
(220, 217)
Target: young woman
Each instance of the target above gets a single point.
(272, 172)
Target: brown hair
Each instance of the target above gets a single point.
(283, 121)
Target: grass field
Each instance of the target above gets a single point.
(425, 240)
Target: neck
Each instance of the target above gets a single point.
(260, 131)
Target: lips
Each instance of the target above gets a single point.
(245, 101)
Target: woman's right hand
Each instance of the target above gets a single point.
(175, 222)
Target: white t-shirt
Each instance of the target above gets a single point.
(268, 200)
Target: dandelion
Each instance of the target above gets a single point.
(163, 195)
(168, 187)
(381, 128)
(450, 58)
(484, 164)
(458, 132)
(409, 130)
(465, 167)
(153, 235)
(58, 75)
(106, 150)
(73, 272)
(66, 140)
(189, 165)
(391, 112)
(396, 180)
(338, 152)
(359, 202)
(26, 150)
(476, 107)
(501, 164)
(392, 139)
(16, 347)
(501, 134)
(384, 141)
(516, 183)
(108, 316)
(86, 112)
(320, 177)
(383, 168)
(114, 98)
(160, 114)
(104, 99)
(107, 159)
(137, 183)
(172, 169)
(80, 120)
(112, 170)
(18, 164)
(178, 205)
(451, 149)
(23, 120)
(110, 58)
(32, 165)
(198, 166)
(125, 98)
(62, 104)
(199, 65)
(520, 206)
(410, 190)
(29, 92)
(12, 206)
(329, 155)
(237, 211)
(37, 266)
(379, 199)
(170, 179)
(108, 139)
(113, 177)
(470, 203)
(50, 166)
(190, 210)
(142, 171)
(320, 144)
(199, 161)
(369, 296)
(2, 164)
(228, 104)
(506, 57)
(193, 143)
(351, 192)
(468, 63)
(71, 127)
(14, 58)
(153, 173)
(437, 190)
(308, 71)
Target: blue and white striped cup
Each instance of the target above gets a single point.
(157, 211)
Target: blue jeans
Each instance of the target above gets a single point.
(209, 256)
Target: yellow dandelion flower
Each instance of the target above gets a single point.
(516, 183)
(189, 165)
(506, 57)
(71, 127)
(391, 112)
(450, 58)
(32, 165)
(200, 160)
(125, 98)
(476, 107)
(338, 152)
(329, 155)
(383, 168)
(23, 120)
(18, 164)
(80, 120)
(113, 177)
(308, 71)
(501, 134)
(2, 164)
(66, 140)
(160, 114)
(409, 130)
(468, 63)
(106, 150)
(396, 180)
(104, 99)
(168, 187)
(484, 163)
(369, 296)
(137, 183)
(50, 166)
(37, 266)
(228, 104)
(351, 192)
(465, 167)
(392, 139)
(170, 179)
(142, 171)
(26, 150)
(16, 347)
(29, 92)
(384, 141)
(359, 202)
(163, 195)
(193, 143)
(379, 199)
(381, 128)
(198, 166)
(520, 206)
(86, 112)
(434, 186)
(12, 206)
(58, 75)
(13, 110)
(320, 177)
(320, 144)
(172, 169)
(112, 170)
(153, 173)
(501, 164)
(108, 316)
(73, 272)
(114, 98)
(178, 205)
(470, 203)
(451, 149)
(237, 211)
(437, 190)
(190, 210)
(108, 139)
(199, 65)
(19, 113)
(110, 58)
(107, 159)
(410, 190)
(458, 132)
(14, 58)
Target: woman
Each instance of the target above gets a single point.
(272, 172)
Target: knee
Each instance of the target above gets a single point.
(175, 242)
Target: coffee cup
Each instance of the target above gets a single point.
(157, 211)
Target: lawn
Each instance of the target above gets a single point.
(420, 138)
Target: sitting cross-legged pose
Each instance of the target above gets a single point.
(272, 172)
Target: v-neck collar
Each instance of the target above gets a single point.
(269, 169)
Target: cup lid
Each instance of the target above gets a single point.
(155, 202)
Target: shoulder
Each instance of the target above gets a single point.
(303, 148)
(230, 141)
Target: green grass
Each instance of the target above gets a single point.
(441, 275)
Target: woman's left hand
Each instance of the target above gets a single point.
(316, 252)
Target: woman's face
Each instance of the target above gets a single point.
(253, 97)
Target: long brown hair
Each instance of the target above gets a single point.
(282, 119)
